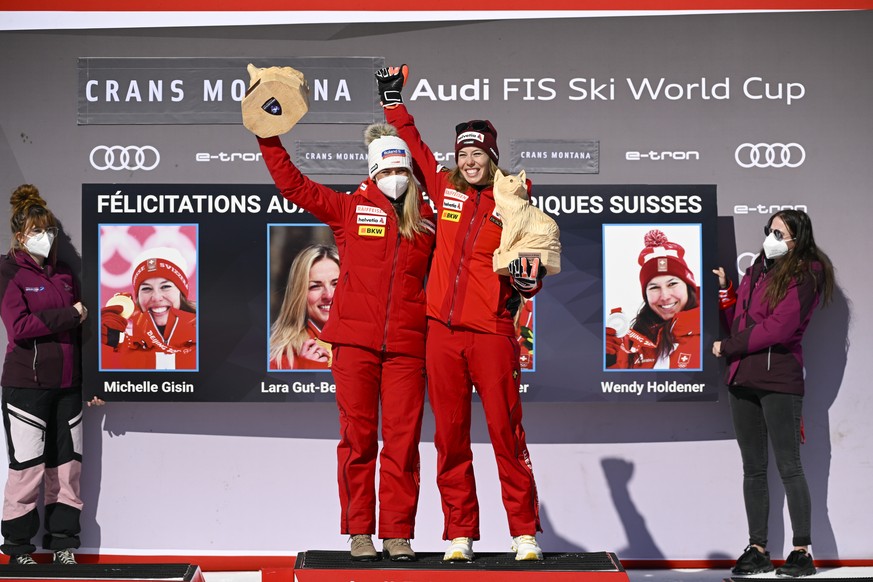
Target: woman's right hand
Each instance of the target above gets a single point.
(311, 350)
(83, 311)
(722, 278)
(390, 81)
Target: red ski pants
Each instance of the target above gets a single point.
(458, 360)
(364, 379)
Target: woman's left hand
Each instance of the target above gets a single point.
(716, 349)
(96, 402)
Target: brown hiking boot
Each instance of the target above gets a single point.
(363, 549)
(398, 550)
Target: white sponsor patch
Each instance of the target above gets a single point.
(470, 135)
(453, 205)
(362, 209)
(370, 219)
(449, 193)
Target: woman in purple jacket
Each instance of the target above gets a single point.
(42, 385)
(767, 316)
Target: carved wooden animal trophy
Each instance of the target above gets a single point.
(527, 230)
(275, 101)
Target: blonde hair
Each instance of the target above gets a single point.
(288, 332)
(28, 210)
(409, 218)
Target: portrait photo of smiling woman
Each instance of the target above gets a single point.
(663, 331)
(151, 324)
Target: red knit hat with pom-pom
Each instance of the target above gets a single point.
(662, 257)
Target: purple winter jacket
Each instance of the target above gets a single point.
(36, 305)
(764, 349)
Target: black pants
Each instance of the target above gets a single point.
(760, 416)
(44, 442)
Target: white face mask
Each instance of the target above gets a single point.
(393, 186)
(39, 245)
(775, 248)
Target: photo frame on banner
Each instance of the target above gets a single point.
(238, 244)
(651, 274)
(148, 297)
(304, 271)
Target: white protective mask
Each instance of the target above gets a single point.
(39, 245)
(775, 248)
(393, 186)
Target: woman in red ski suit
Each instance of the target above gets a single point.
(471, 338)
(384, 232)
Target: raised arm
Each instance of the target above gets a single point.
(325, 204)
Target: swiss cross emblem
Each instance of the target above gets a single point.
(684, 360)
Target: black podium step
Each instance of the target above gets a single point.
(103, 572)
(332, 566)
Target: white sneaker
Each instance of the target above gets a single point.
(460, 550)
(526, 548)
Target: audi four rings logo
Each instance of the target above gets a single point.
(125, 158)
(770, 155)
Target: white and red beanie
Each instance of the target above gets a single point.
(164, 262)
(477, 133)
(386, 152)
(662, 257)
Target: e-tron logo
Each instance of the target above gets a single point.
(124, 158)
(770, 155)
(767, 209)
(679, 156)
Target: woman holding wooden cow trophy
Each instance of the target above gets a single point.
(384, 232)
(470, 334)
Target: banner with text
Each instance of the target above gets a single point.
(196, 285)
(207, 90)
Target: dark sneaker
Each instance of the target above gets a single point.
(799, 563)
(398, 550)
(22, 560)
(363, 549)
(753, 562)
(65, 557)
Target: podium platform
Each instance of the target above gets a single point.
(103, 572)
(332, 566)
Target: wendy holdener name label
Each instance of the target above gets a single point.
(637, 388)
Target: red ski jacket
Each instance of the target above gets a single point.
(463, 291)
(379, 303)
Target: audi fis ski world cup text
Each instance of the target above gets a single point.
(593, 89)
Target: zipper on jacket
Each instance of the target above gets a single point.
(461, 262)
(390, 291)
(768, 357)
(35, 359)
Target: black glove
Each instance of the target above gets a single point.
(526, 273)
(391, 80)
